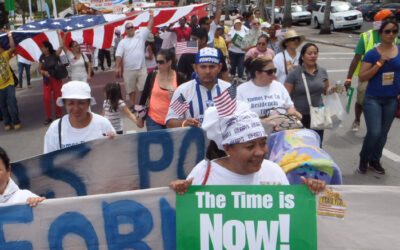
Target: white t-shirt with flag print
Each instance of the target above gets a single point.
(198, 102)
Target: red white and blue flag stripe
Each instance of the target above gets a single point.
(226, 102)
(100, 35)
(180, 105)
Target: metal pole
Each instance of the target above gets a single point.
(273, 12)
(54, 9)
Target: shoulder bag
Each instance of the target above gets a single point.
(320, 118)
(87, 66)
(60, 70)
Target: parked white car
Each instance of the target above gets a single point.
(343, 15)
(299, 15)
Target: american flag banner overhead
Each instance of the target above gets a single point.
(226, 102)
(99, 35)
(180, 105)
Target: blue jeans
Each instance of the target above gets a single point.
(8, 106)
(151, 125)
(21, 67)
(237, 61)
(379, 113)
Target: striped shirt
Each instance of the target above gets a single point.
(114, 116)
(198, 97)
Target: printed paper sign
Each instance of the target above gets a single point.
(237, 40)
(246, 217)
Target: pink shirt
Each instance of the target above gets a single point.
(183, 34)
(254, 52)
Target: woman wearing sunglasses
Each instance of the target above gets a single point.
(158, 90)
(381, 68)
(317, 82)
(263, 93)
(288, 59)
(261, 48)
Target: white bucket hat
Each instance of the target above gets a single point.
(75, 90)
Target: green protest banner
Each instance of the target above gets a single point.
(246, 217)
(237, 40)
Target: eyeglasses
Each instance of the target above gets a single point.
(293, 39)
(262, 44)
(130, 27)
(394, 32)
(255, 23)
(269, 71)
(160, 62)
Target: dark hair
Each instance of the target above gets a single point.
(152, 46)
(113, 95)
(183, 18)
(304, 49)
(72, 43)
(48, 45)
(256, 64)
(4, 158)
(169, 55)
(200, 33)
(203, 20)
(263, 36)
(213, 152)
(385, 23)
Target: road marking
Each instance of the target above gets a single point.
(391, 155)
(337, 70)
(336, 53)
(335, 58)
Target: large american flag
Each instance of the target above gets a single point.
(98, 32)
(226, 102)
(186, 47)
(180, 105)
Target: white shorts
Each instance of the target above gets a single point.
(135, 79)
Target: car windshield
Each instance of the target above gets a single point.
(341, 8)
(297, 8)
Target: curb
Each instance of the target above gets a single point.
(330, 43)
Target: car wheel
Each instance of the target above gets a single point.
(316, 24)
(332, 26)
(357, 27)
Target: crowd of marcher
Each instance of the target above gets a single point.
(276, 74)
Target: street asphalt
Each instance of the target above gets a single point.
(342, 144)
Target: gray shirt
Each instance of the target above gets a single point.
(316, 85)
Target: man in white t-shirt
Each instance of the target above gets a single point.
(211, 25)
(200, 91)
(131, 52)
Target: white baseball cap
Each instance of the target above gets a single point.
(75, 90)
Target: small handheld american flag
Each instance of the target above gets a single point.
(186, 47)
(226, 102)
(180, 105)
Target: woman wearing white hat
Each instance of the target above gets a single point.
(236, 54)
(79, 125)
(244, 141)
(288, 59)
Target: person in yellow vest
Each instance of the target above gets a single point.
(368, 40)
(257, 15)
(8, 101)
(219, 40)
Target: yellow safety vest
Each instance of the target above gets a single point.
(368, 38)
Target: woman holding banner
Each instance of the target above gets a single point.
(79, 125)
(9, 191)
(244, 141)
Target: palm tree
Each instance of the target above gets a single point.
(261, 7)
(287, 15)
(326, 26)
(226, 9)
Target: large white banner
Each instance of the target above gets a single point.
(129, 162)
(145, 219)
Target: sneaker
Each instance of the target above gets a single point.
(7, 128)
(355, 126)
(47, 121)
(376, 167)
(17, 127)
(362, 167)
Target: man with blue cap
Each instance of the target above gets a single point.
(198, 93)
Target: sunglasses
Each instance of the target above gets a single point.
(269, 71)
(160, 61)
(262, 44)
(255, 24)
(293, 39)
(394, 32)
(130, 27)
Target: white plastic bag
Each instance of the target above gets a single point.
(333, 104)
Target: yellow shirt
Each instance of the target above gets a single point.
(221, 44)
(6, 77)
(226, 30)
